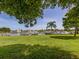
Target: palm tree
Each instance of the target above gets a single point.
(51, 25)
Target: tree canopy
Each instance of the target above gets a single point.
(51, 24)
(27, 11)
(71, 19)
(4, 30)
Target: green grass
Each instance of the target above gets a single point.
(39, 47)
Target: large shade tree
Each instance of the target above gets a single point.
(27, 11)
(71, 19)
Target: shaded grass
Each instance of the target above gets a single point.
(64, 37)
(21, 51)
(39, 47)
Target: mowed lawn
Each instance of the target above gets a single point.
(39, 47)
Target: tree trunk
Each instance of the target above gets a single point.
(75, 32)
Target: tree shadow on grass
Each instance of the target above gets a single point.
(64, 37)
(21, 51)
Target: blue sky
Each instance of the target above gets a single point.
(55, 14)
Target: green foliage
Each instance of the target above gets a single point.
(27, 11)
(51, 25)
(71, 19)
(4, 30)
(41, 30)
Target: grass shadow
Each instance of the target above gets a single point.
(64, 37)
(21, 51)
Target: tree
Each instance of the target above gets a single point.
(4, 30)
(27, 11)
(71, 20)
(51, 25)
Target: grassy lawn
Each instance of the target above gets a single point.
(39, 47)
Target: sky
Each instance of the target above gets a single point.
(55, 14)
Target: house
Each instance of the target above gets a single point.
(33, 32)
